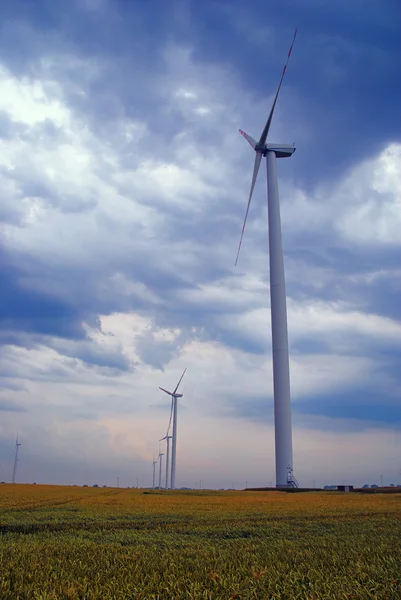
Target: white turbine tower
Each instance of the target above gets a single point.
(167, 437)
(281, 371)
(174, 396)
(160, 469)
(154, 473)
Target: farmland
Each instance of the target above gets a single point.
(104, 543)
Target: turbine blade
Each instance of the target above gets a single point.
(256, 166)
(167, 392)
(265, 131)
(180, 380)
(248, 138)
(171, 415)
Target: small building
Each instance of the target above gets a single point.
(345, 488)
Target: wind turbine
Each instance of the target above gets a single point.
(154, 473)
(17, 445)
(167, 438)
(281, 371)
(174, 397)
(160, 469)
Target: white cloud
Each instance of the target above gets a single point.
(31, 101)
(309, 319)
(364, 207)
(373, 200)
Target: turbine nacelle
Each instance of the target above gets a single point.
(172, 394)
(280, 150)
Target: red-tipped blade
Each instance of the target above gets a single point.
(248, 138)
(180, 380)
(256, 166)
(265, 131)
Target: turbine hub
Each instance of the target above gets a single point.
(260, 147)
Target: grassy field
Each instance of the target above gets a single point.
(91, 543)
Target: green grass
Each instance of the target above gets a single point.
(77, 543)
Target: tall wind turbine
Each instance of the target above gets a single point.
(281, 371)
(174, 396)
(167, 438)
(17, 445)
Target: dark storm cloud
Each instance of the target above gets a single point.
(369, 278)
(24, 309)
(363, 405)
(341, 84)
(66, 370)
(108, 362)
(30, 317)
(343, 69)
(354, 410)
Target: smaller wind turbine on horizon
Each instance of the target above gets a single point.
(17, 445)
(174, 395)
(167, 482)
(154, 473)
(160, 469)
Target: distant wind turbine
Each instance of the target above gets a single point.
(17, 445)
(167, 483)
(160, 469)
(174, 396)
(281, 371)
(154, 473)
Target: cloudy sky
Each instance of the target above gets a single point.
(124, 183)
